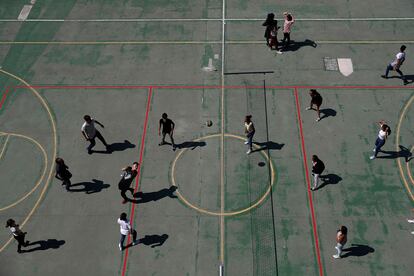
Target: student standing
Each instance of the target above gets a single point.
(125, 229)
(317, 169)
(271, 32)
(287, 26)
(90, 133)
(167, 126)
(316, 99)
(249, 130)
(18, 234)
(63, 173)
(127, 176)
(396, 64)
(382, 137)
(341, 239)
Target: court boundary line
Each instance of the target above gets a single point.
(309, 193)
(136, 20)
(138, 177)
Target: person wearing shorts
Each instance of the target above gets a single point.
(167, 126)
(316, 99)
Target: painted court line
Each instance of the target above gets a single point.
(203, 19)
(192, 42)
(141, 155)
(305, 164)
(3, 98)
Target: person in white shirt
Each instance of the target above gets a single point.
(90, 133)
(249, 130)
(125, 229)
(396, 64)
(382, 137)
(18, 234)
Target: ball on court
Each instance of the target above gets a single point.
(209, 123)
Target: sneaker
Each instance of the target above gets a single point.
(318, 119)
(373, 150)
(249, 151)
(19, 251)
(162, 143)
(27, 243)
(372, 157)
(308, 108)
(134, 243)
(120, 247)
(384, 77)
(124, 201)
(410, 220)
(412, 232)
(313, 188)
(279, 52)
(89, 151)
(336, 256)
(405, 82)
(246, 142)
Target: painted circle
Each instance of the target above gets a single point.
(229, 213)
(40, 180)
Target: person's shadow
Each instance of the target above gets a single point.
(89, 187)
(152, 240)
(404, 152)
(190, 144)
(409, 78)
(296, 45)
(357, 250)
(328, 179)
(154, 196)
(327, 112)
(269, 145)
(116, 147)
(44, 245)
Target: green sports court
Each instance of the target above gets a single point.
(206, 208)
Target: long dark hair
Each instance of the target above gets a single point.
(10, 223)
(344, 230)
(270, 20)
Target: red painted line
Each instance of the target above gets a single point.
(3, 98)
(141, 155)
(208, 87)
(305, 163)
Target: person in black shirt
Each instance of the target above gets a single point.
(127, 176)
(62, 173)
(167, 128)
(316, 99)
(317, 168)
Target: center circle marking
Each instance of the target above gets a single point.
(229, 213)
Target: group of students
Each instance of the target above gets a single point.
(90, 133)
(272, 29)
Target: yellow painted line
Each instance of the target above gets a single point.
(54, 133)
(191, 42)
(5, 145)
(228, 213)
(409, 169)
(403, 113)
(42, 176)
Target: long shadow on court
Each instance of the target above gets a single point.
(329, 179)
(269, 145)
(404, 152)
(327, 112)
(191, 144)
(151, 240)
(409, 78)
(116, 147)
(153, 196)
(296, 45)
(89, 187)
(45, 245)
(357, 250)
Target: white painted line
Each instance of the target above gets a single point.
(204, 19)
(24, 13)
